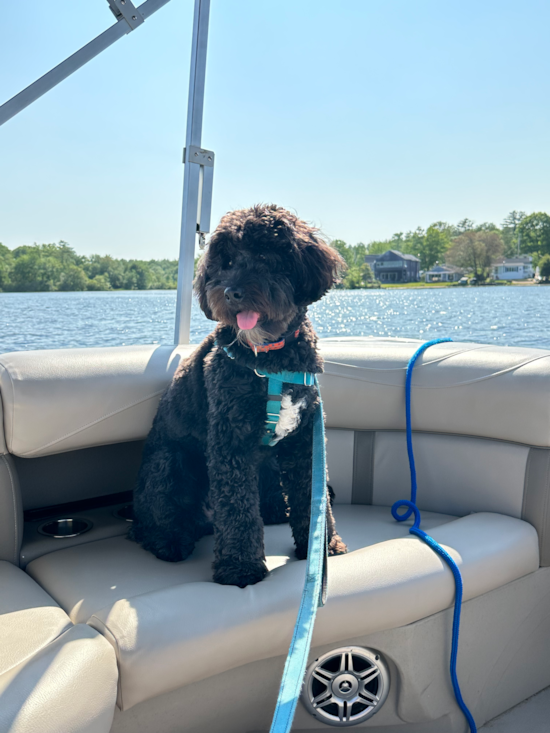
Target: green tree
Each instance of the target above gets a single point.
(343, 250)
(25, 249)
(513, 220)
(534, 231)
(464, 225)
(358, 272)
(138, 276)
(360, 251)
(379, 247)
(35, 271)
(6, 263)
(357, 276)
(353, 278)
(73, 278)
(475, 251)
(397, 241)
(509, 231)
(114, 270)
(414, 242)
(544, 267)
(434, 245)
(99, 282)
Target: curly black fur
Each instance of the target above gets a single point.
(203, 467)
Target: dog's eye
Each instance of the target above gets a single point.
(230, 263)
(262, 257)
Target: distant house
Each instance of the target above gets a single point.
(444, 274)
(394, 267)
(513, 268)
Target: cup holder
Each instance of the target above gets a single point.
(62, 528)
(125, 513)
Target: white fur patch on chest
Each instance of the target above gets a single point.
(289, 417)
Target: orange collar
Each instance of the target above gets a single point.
(276, 345)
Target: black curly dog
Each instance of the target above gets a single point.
(204, 468)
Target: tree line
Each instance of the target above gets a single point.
(470, 246)
(48, 267)
(473, 247)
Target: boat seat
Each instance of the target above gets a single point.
(73, 424)
(53, 676)
(171, 625)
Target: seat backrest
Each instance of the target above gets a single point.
(11, 511)
(74, 421)
(481, 422)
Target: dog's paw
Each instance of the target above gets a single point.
(175, 551)
(336, 546)
(168, 554)
(301, 551)
(239, 573)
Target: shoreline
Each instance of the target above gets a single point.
(397, 286)
(441, 286)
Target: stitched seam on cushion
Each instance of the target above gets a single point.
(69, 626)
(115, 647)
(91, 424)
(545, 509)
(3, 366)
(404, 368)
(526, 483)
(372, 456)
(420, 386)
(355, 480)
(453, 435)
(16, 534)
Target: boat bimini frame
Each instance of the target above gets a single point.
(199, 163)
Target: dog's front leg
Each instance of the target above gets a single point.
(239, 557)
(233, 456)
(295, 460)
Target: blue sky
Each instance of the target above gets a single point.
(366, 118)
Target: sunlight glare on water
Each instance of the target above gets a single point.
(514, 316)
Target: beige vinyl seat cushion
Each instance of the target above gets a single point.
(53, 676)
(171, 625)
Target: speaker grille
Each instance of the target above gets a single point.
(346, 686)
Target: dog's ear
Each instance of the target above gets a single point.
(199, 286)
(321, 266)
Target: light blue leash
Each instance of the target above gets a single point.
(313, 594)
(435, 546)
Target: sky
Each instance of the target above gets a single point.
(365, 117)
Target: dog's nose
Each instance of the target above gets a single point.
(233, 294)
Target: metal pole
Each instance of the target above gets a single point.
(123, 26)
(190, 215)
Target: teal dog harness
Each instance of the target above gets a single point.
(275, 381)
(274, 397)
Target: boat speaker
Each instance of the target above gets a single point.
(346, 686)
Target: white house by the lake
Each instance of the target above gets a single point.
(443, 274)
(513, 268)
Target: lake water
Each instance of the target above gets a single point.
(518, 316)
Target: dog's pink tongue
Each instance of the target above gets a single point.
(247, 319)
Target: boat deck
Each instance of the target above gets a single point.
(532, 715)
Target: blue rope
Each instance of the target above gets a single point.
(411, 508)
(313, 594)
